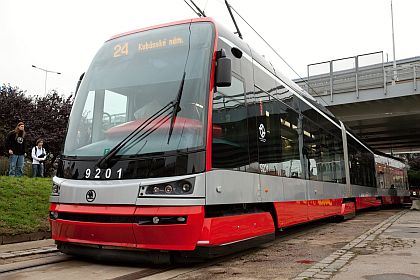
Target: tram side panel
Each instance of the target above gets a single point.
(276, 113)
(270, 146)
(234, 179)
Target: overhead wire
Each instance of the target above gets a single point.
(288, 65)
(262, 38)
(197, 13)
(200, 13)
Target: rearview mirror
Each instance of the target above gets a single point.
(78, 83)
(223, 70)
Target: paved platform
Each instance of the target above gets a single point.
(394, 254)
(389, 251)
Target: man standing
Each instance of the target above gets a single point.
(15, 143)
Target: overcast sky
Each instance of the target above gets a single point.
(64, 36)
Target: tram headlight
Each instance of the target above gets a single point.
(181, 187)
(169, 189)
(186, 186)
(53, 215)
(55, 190)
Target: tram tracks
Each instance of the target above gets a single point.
(19, 261)
(173, 271)
(55, 262)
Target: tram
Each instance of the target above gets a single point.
(184, 141)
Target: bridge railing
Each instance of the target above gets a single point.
(404, 73)
(358, 76)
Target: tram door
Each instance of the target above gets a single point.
(267, 135)
(279, 149)
(233, 148)
(268, 151)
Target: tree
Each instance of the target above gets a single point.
(414, 172)
(52, 114)
(414, 162)
(14, 107)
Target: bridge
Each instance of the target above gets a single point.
(380, 102)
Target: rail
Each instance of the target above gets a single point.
(379, 75)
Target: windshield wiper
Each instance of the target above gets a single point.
(139, 134)
(103, 161)
(177, 108)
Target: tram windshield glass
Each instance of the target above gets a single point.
(129, 84)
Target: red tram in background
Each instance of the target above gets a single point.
(184, 141)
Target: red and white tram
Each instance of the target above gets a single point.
(183, 139)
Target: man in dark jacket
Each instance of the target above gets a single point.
(16, 146)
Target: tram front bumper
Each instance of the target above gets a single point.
(137, 227)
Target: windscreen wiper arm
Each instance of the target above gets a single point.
(134, 135)
(102, 163)
(176, 108)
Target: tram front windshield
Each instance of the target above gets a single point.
(128, 83)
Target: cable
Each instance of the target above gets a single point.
(205, 6)
(197, 13)
(306, 82)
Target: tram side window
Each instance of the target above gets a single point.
(312, 149)
(323, 154)
(333, 155)
(339, 160)
(369, 161)
(230, 128)
(287, 97)
(309, 112)
(269, 136)
(353, 163)
(290, 164)
(362, 165)
(328, 165)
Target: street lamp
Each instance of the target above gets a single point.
(46, 75)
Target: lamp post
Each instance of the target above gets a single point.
(46, 75)
(395, 77)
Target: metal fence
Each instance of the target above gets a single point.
(349, 74)
(409, 72)
(361, 72)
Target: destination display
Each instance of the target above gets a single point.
(123, 49)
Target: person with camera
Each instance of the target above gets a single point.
(38, 158)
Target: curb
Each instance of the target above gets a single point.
(28, 252)
(9, 239)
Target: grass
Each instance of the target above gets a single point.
(24, 204)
